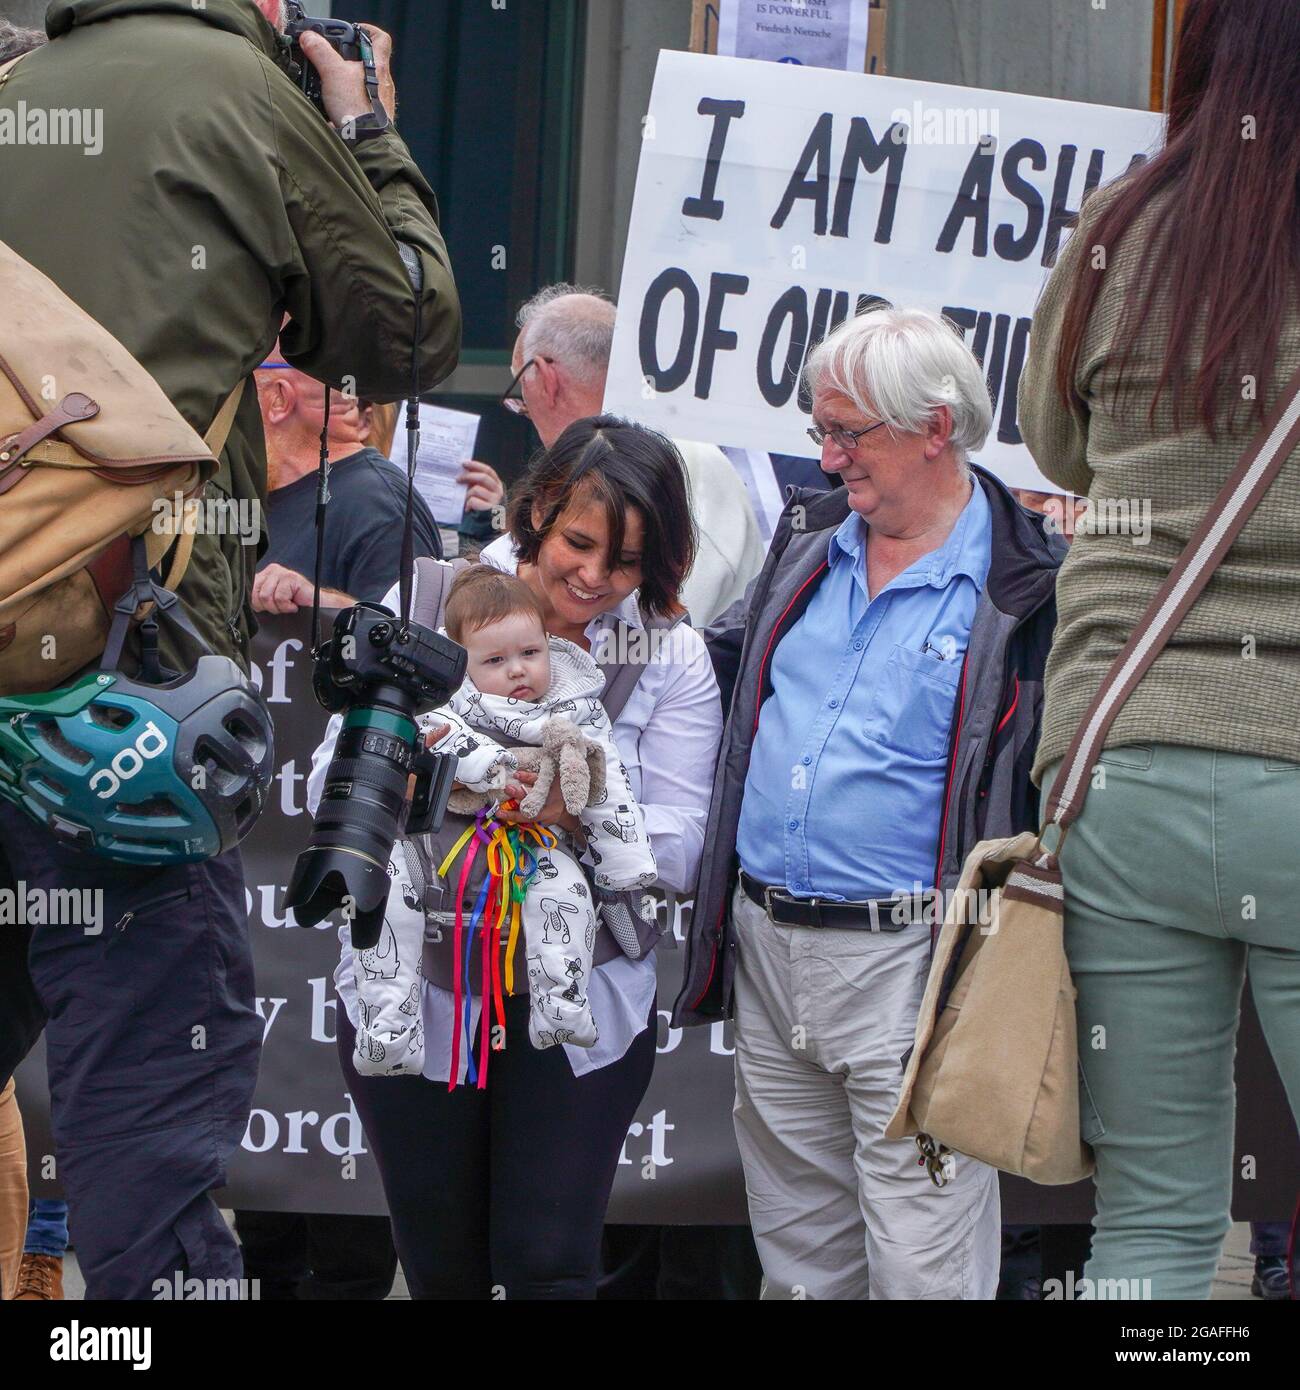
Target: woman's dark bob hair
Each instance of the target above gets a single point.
(617, 465)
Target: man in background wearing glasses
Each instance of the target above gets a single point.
(560, 362)
(882, 721)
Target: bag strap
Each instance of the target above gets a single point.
(141, 592)
(1272, 445)
(433, 581)
(219, 429)
(622, 677)
(215, 439)
(7, 68)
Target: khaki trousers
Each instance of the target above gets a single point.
(839, 1212)
(13, 1190)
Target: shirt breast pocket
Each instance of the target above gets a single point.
(912, 707)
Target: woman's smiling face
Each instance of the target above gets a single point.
(578, 578)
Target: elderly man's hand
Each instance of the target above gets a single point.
(277, 589)
(343, 84)
(485, 490)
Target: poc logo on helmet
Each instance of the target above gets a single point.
(128, 761)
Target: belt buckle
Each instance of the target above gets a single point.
(769, 907)
(767, 901)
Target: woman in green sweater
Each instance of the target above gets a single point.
(1168, 328)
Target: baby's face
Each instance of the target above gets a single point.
(510, 657)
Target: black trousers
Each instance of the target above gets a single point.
(502, 1192)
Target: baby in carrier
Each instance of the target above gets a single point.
(521, 688)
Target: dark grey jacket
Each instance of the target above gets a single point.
(995, 725)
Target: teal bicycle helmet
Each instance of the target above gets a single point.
(144, 772)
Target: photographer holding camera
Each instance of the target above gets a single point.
(215, 200)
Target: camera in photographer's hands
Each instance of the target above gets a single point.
(347, 71)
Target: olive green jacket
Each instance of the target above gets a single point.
(220, 200)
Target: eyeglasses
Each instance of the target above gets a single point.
(516, 404)
(844, 439)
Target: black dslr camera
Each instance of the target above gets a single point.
(352, 43)
(379, 674)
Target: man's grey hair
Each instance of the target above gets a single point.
(573, 325)
(15, 40)
(900, 365)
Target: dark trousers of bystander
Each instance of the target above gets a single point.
(152, 1043)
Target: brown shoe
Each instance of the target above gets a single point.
(40, 1277)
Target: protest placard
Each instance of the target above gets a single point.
(773, 201)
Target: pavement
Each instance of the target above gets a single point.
(1232, 1281)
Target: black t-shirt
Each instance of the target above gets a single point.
(363, 526)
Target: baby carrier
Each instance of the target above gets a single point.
(624, 928)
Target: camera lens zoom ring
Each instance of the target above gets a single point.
(366, 769)
(355, 816)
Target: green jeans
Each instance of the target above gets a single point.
(1182, 876)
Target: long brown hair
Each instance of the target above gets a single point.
(1225, 243)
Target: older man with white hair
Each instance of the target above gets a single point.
(560, 361)
(884, 675)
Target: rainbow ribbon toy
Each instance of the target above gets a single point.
(511, 865)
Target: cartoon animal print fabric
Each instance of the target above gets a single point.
(615, 825)
(390, 1039)
(381, 961)
(481, 762)
(559, 925)
(559, 933)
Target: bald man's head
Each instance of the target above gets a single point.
(293, 412)
(572, 326)
(565, 335)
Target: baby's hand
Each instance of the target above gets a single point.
(436, 734)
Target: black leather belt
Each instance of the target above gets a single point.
(876, 914)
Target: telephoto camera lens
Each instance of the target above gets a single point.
(363, 805)
(360, 813)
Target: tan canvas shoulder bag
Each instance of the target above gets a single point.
(92, 454)
(993, 1072)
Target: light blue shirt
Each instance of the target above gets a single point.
(844, 795)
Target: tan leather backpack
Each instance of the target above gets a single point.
(89, 444)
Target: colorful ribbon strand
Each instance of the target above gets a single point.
(511, 866)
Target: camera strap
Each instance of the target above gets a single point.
(415, 272)
(322, 499)
(364, 127)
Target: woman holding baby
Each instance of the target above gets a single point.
(501, 1191)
